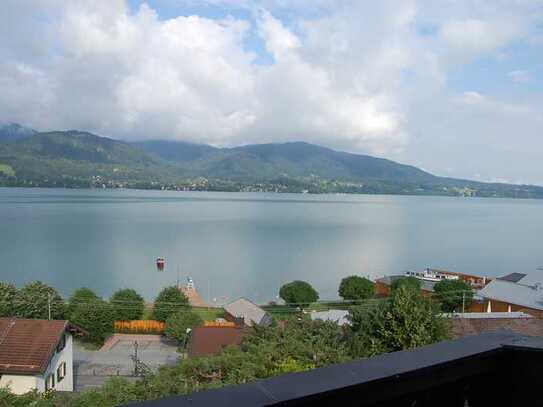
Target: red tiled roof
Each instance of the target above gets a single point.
(210, 340)
(26, 345)
(461, 327)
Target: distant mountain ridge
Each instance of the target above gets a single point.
(81, 159)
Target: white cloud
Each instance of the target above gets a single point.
(346, 74)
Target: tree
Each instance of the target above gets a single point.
(7, 296)
(81, 296)
(178, 323)
(404, 321)
(169, 301)
(35, 300)
(453, 294)
(298, 293)
(409, 282)
(127, 305)
(356, 288)
(96, 317)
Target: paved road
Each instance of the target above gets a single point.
(92, 368)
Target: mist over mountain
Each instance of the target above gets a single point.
(75, 158)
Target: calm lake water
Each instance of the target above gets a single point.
(248, 244)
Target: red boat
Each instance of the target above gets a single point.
(160, 263)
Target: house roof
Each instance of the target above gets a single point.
(513, 293)
(243, 308)
(425, 285)
(335, 315)
(513, 277)
(27, 345)
(461, 327)
(210, 340)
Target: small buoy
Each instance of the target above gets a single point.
(160, 263)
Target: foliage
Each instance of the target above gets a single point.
(96, 317)
(453, 293)
(81, 296)
(169, 301)
(409, 282)
(178, 323)
(127, 305)
(356, 288)
(34, 299)
(405, 321)
(298, 293)
(7, 296)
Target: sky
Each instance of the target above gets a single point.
(454, 87)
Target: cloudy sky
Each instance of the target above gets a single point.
(452, 86)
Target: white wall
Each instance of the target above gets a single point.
(19, 384)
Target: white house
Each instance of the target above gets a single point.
(36, 354)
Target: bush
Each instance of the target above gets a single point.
(299, 293)
(356, 288)
(404, 321)
(7, 297)
(33, 300)
(127, 305)
(169, 301)
(81, 296)
(178, 323)
(96, 317)
(412, 283)
(452, 293)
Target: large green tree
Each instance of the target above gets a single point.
(354, 288)
(169, 301)
(37, 300)
(80, 297)
(453, 295)
(408, 282)
(298, 293)
(96, 317)
(405, 320)
(7, 297)
(177, 325)
(127, 304)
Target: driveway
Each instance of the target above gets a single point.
(115, 358)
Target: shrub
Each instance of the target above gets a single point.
(34, 299)
(404, 321)
(7, 296)
(299, 293)
(356, 288)
(178, 323)
(96, 317)
(169, 301)
(127, 305)
(453, 293)
(81, 296)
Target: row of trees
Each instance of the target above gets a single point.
(405, 320)
(453, 295)
(85, 308)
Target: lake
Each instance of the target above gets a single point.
(249, 244)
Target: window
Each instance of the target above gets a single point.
(61, 372)
(61, 343)
(50, 382)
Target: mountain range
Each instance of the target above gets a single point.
(80, 159)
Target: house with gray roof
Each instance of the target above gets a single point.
(515, 292)
(244, 312)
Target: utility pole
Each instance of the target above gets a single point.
(49, 305)
(463, 302)
(135, 358)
